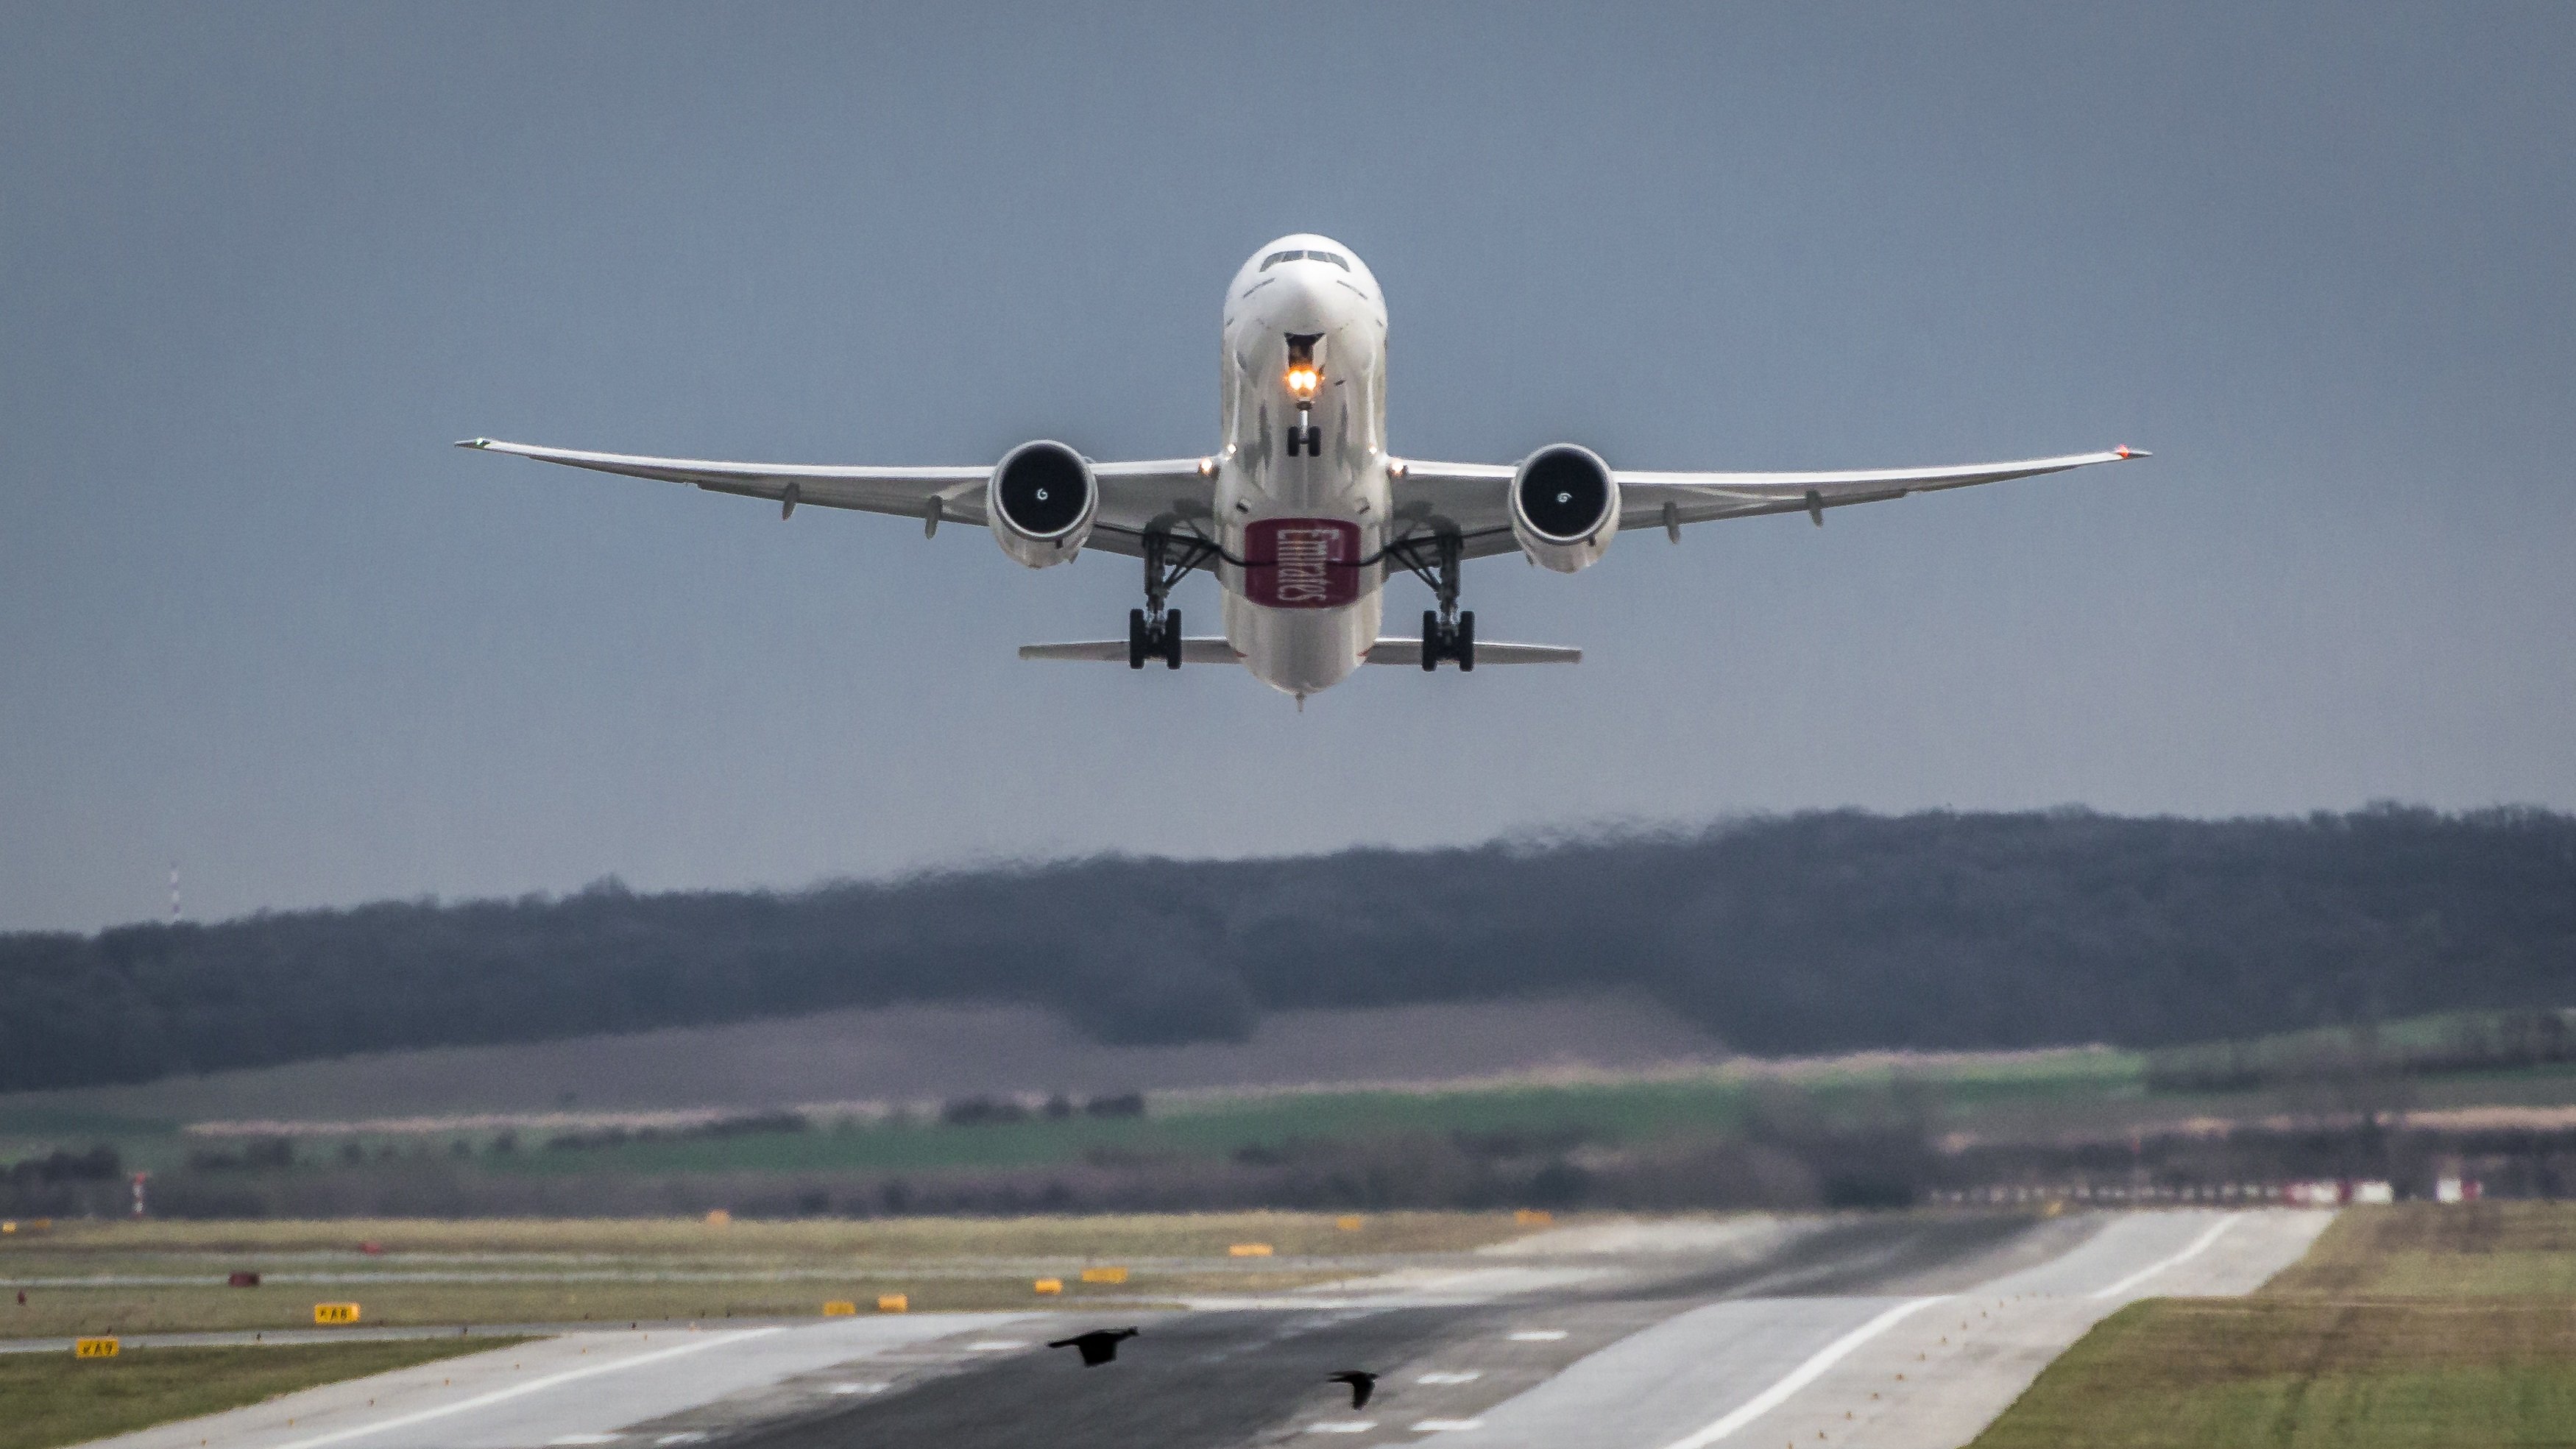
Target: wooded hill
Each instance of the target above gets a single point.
(1805, 933)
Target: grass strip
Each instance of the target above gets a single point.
(1109, 1237)
(2434, 1250)
(58, 1312)
(55, 1399)
(2289, 1374)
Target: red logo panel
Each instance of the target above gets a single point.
(1301, 563)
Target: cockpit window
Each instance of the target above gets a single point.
(1275, 258)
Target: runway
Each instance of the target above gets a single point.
(1875, 1332)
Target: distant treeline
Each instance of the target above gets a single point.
(1806, 933)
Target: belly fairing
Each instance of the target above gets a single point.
(1302, 651)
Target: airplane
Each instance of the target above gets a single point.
(1302, 513)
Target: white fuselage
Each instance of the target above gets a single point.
(1302, 492)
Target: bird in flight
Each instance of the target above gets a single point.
(1099, 1346)
(1362, 1382)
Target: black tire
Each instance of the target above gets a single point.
(1135, 638)
(1463, 648)
(1172, 640)
(1430, 641)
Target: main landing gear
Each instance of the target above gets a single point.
(1160, 639)
(1453, 638)
(1447, 632)
(1154, 632)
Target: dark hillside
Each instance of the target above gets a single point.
(1805, 933)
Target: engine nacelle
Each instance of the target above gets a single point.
(1565, 507)
(1041, 503)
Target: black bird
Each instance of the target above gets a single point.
(1362, 1385)
(1099, 1346)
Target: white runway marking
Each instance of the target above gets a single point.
(531, 1386)
(1342, 1426)
(996, 1345)
(858, 1388)
(1447, 1426)
(1468, 1377)
(2198, 1245)
(1803, 1375)
(1538, 1335)
(569, 1439)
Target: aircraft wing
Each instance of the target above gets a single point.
(1474, 498)
(1132, 495)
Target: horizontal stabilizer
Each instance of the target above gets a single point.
(1409, 651)
(1114, 651)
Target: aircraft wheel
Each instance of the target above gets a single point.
(1172, 640)
(1463, 648)
(1135, 638)
(1430, 641)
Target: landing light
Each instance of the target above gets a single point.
(1303, 380)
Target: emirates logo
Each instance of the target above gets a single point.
(1301, 563)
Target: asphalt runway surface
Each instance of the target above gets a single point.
(1895, 1331)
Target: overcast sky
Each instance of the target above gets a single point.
(260, 265)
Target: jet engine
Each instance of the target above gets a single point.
(1041, 503)
(1565, 507)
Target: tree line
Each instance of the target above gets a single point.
(1802, 933)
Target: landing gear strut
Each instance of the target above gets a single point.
(1154, 632)
(1447, 632)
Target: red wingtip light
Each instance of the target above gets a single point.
(2122, 451)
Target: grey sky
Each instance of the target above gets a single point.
(259, 266)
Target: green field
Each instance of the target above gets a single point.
(1217, 1125)
(55, 1399)
(2222, 1373)
(2425, 1251)
(1996, 1096)
(2405, 1326)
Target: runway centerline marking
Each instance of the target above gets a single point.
(2198, 1245)
(1342, 1426)
(1447, 1426)
(423, 1416)
(1538, 1335)
(1804, 1374)
(1467, 1377)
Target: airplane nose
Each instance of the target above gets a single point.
(1297, 303)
